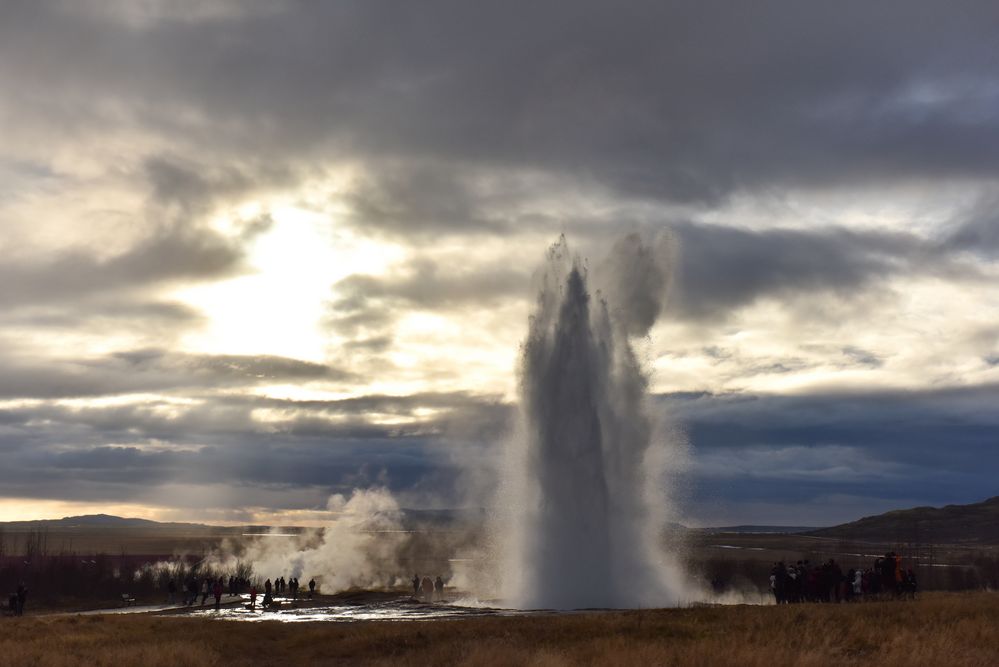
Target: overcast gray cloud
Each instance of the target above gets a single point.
(426, 284)
(687, 103)
(697, 271)
(290, 244)
(168, 256)
(140, 371)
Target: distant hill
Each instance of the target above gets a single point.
(410, 518)
(977, 523)
(99, 522)
(760, 530)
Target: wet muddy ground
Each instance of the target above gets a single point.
(351, 607)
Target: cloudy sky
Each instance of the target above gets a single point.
(255, 253)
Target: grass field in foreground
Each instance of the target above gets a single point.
(938, 629)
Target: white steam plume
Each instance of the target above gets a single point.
(359, 548)
(583, 504)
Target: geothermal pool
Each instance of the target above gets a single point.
(402, 608)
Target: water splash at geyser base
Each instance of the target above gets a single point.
(584, 507)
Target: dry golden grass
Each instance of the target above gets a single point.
(939, 629)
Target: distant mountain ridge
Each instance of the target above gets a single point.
(975, 523)
(410, 518)
(761, 530)
(101, 521)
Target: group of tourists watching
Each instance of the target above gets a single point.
(279, 587)
(427, 589)
(215, 587)
(803, 582)
(205, 587)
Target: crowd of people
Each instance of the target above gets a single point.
(428, 589)
(804, 582)
(280, 587)
(206, 587)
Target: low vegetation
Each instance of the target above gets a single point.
(938, 629)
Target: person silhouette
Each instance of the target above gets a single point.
(439, 588)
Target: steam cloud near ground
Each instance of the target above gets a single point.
(359, 548)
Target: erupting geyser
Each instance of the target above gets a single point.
(585, 512)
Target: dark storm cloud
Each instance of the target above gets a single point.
(131, 474)
(681, 102)
(219, 427)
(938, 446)
(931, 446)
(331, 444)
(720, 268)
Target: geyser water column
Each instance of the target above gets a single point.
(583, 524)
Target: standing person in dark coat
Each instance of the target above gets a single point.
(779, 579)
(834, 581)
(416, 586)
(439, 587)
(888, 573)
(22, 596)
(217, 592)
(312, 587)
